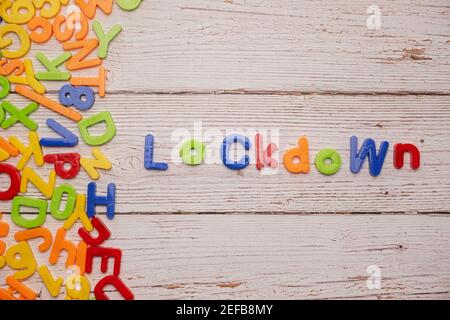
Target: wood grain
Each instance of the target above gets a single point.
(287, 47)
(290, 257)
(305, 68)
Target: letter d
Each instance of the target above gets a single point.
(301, 153)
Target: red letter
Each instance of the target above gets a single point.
(117, 283)
(104, 254)
(264, 156)
(399, 155)
(14, 176)
(103, 233)
(73, 159)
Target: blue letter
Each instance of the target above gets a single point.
(148, 156)
(94, 200)
(368, 148)
(68, 138)
(227, 142)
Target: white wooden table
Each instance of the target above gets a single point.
(307, 68)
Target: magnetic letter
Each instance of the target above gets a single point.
(55, 204)
(104, 254)
(61, 244)
(53, 73)
(226, 144)
(20, 257)
(399, 155)
(16, 215)
(104, 116)
(14, 185)
(105, 39)
(301, 154)
(59, 160)
(328, 155)
(102, 230)
(148, 155)
(117, 283)
(368, 148)
(192, 152)
(68, 138)
(99, 162)
(264, 156)
(94, 200)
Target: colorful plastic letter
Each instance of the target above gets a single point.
(49, 11)
(301, 154)
(104, 253)
(82, 98)
(81, 256)
(128, 5)
(9, 67)
(61, 244)
(29, 78)
(14, 184)
(99, 162)
(68, 138)
(79, 214)
(148, 155)
(55, 203)
(17, 12)
(17, 217)
(33, 149)
(225, 152)
(53, 285)
(105, 39)
(77, 20)
(102, 230)
(90, 7)
(328, 161)
(192, 152)
(99, 81)
(16, 287)
(93, 200)
(20, 257)
(399, 155)
(48, 103)
(368, 148)
(53, 73)
(7, 150)
(264, 156)
(22, 34)
(40, 232)
(28, 174)
(70, 24)
(19, 115)
(91, 140)
(60, 160)
(4, 230)
(45, 34)
(117, 283)
(4, 87)
(77, 61)
(84, 291)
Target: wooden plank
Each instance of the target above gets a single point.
(290, 46)
(276, 257)
(328, 121)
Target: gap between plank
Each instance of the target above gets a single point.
(277, 93)
(232, 213)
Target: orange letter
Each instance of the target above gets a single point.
(301, 154)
